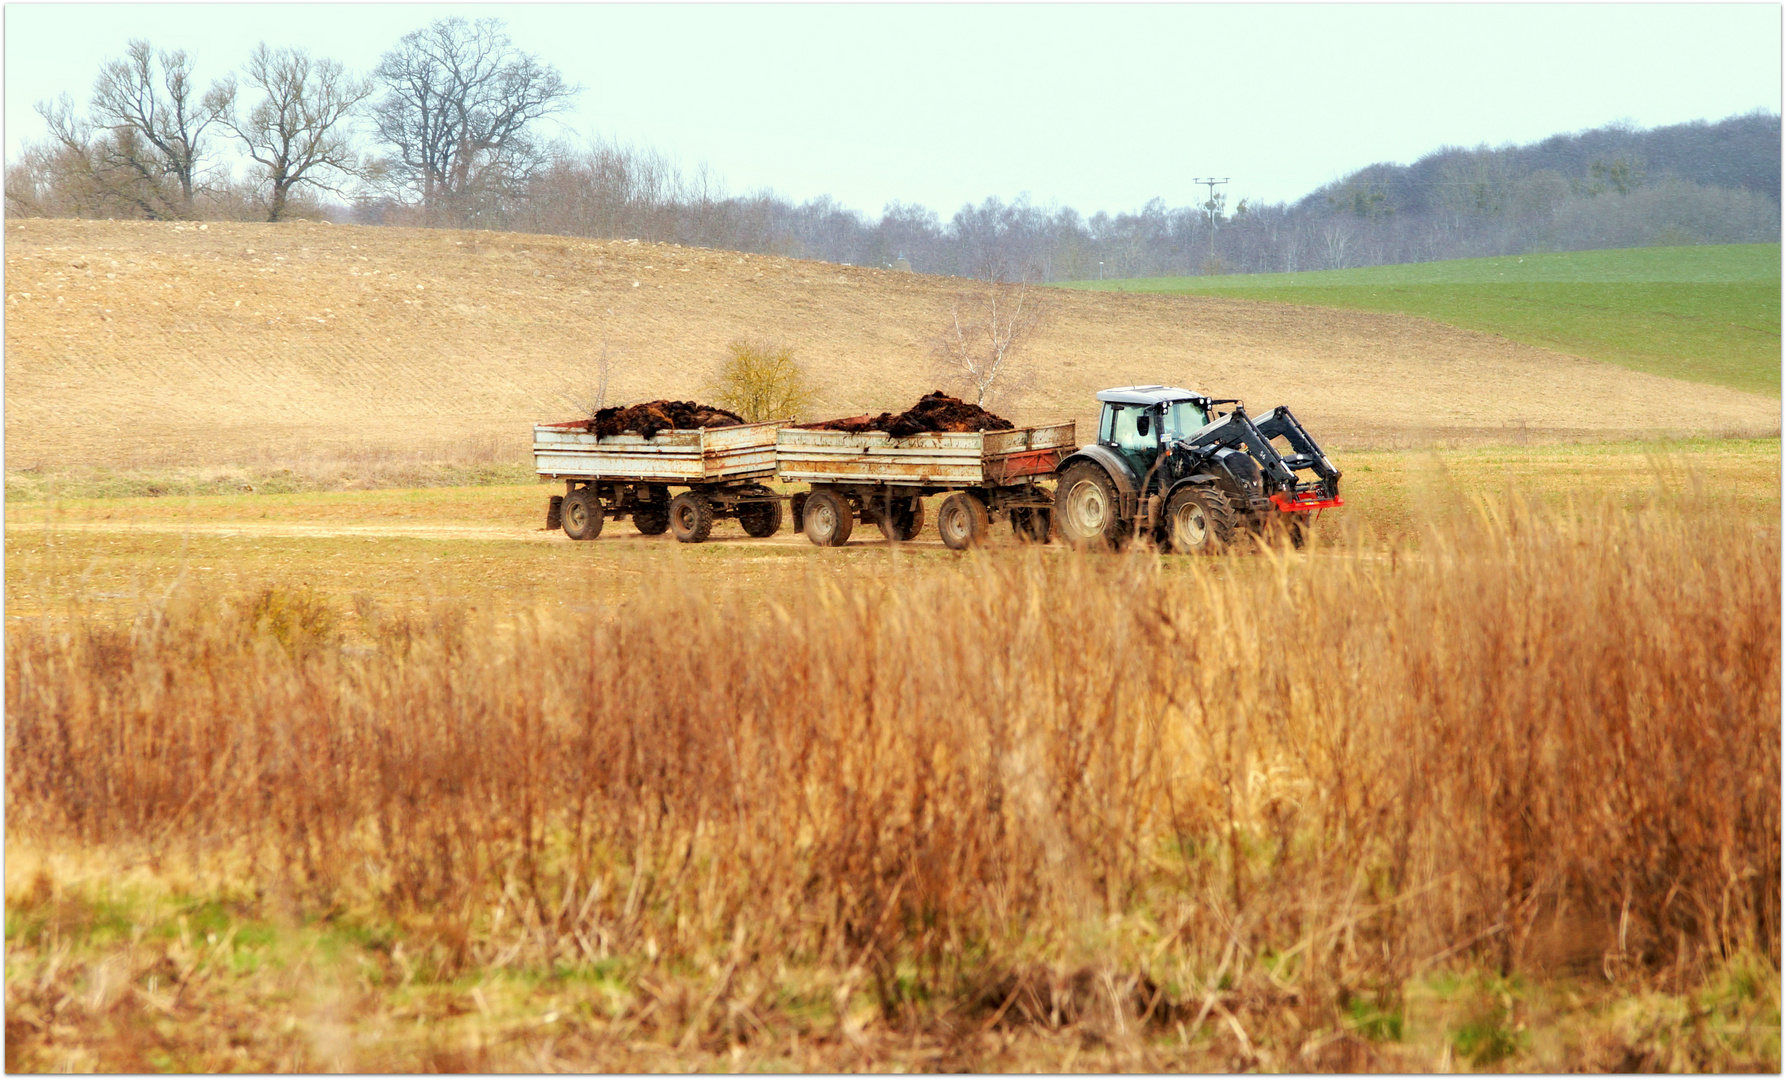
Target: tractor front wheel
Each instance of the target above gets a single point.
(1199, 521)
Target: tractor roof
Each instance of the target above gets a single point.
(1149, 395)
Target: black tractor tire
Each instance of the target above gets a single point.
(653, 518)
(691, 517)
(1087, 512)
(760, 519)
(903, 520)
(963, 521)
(1199, 520)
(582, 514)
(827, 519)
(797, 509)
(1032, 524)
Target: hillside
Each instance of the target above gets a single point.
(137, 344)
(1708, 314)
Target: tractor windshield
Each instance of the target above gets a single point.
(1179, 418)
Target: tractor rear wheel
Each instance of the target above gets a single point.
(582, 514)
(963, 521)
(828, 519)
(691, 517)
(1086, 508)
(1199, 521)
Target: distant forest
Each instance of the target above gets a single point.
(443, 134)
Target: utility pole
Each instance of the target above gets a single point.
(1211, 183)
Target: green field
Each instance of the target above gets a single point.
(1706, 314)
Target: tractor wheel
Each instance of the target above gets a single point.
(828, 519)
(691, 517)
(1086, 509)
(1032, 524)
(760, 519)
(1199, 521)
(903, 520)
(581, 514)
(963, 521)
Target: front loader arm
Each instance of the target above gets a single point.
(1307, 457)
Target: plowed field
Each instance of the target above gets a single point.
(152, 344)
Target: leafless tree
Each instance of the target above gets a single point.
(298, 131)
(157, 121)
(458, 103)
(588, 390)
(980, 346)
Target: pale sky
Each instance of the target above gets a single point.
(1089, 106)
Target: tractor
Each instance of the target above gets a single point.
(1170, 466)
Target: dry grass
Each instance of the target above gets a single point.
(1509, 798)
(262, 346)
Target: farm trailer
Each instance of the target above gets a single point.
(874, 477)
(722, 470)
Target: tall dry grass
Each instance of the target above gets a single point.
(1026, 788)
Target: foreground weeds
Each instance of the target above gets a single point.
(1510, 801)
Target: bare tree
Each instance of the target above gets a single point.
(458, 101)
(986, 332)
(588, 390)
(157, 120)
(298, 131)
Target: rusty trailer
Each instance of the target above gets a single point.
(722, 469)
(874, 477)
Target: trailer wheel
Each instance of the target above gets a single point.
(797, 509)
(1032, 524)
(1086, 507)
(902, 520)
(652, 519)
(1199, 521)
(582, 514)
(762, 518)
(828, 519)
(963, 521)
(691, 517)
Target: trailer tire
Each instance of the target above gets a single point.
(828, 519)
(691, 517)
(902, 519)
(1032, 524)
(760, 519)
(582, 514)
(963, 521)
(1199, 521)
(1086, 508)
(797, 508)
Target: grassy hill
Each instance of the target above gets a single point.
(169, 345)
(1705, 314)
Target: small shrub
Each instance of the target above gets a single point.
(762, 381)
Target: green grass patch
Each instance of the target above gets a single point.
(1706, 314)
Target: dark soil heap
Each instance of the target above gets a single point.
(935, 411)
(654, 416)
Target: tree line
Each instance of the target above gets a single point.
(445, 132)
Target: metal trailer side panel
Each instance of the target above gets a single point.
(701, 455)
(944, 459)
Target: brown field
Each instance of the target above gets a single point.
(304, 777)
(1502, 794)
(132, 344)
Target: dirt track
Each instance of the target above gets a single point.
(155, 344)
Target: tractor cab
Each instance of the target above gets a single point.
(1138, 420)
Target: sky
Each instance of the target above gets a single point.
(1097, 107)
